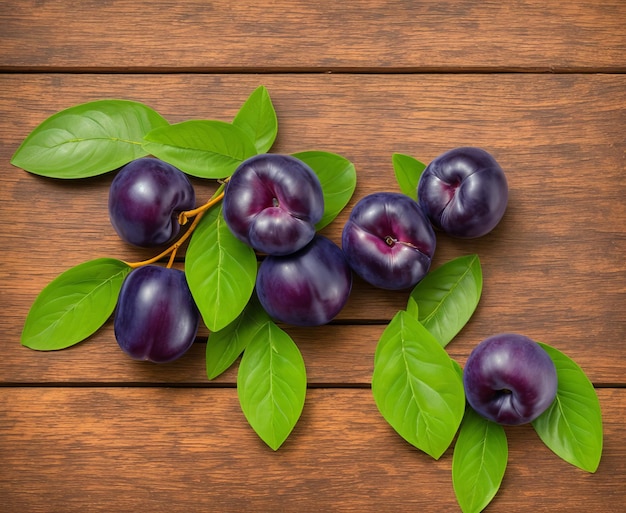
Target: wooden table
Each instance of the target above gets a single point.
(539, 84)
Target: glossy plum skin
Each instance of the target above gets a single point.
(509, 379)
(464, 192)
(144, 201)
(308, 287)
(156, 318)
(388, 241)
(272, 203)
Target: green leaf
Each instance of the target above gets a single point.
(271, 384)
(74, 305)
(203, 148)
(408, 171)
(221, 271)
(416, 386)
(257, 118)
(412, 307)
(457, 368)
(88, 139)
(338, 178)
(448, 296)
(479, 461)
(572, 426)
(224, 346)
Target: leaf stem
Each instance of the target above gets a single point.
(183, 217)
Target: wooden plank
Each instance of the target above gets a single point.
(323, 35)
(553, 269)
(88, 429)
(145, 449)
(334, 355)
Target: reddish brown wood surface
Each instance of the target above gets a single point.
(179, 449)
(415, 35)
(87, 429)
(553, 268)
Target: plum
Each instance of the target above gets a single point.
(145, 198)
(305, 288)
(464, 192)
(272, 203)
(509, 379)
(156, 318)
(388, 241)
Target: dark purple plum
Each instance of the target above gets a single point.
(509, 379)
(156, 318)
(388, 240)
(272, 203)
(308, 287)
(145, 199)
(464, 192)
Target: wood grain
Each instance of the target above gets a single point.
(334, 355)
(553, 268)
(540, 85)
(362, 35)
(173, 449)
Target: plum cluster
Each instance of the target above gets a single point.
(389, 239)
(272, 202)
(156, 318)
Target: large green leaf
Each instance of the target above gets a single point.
(479, 461)
(220, 270)
(572, 426)
(408, 171)
(257, 118)
(338, 178)
(204, 148)
(448, 296)
(88, 139)
(74, 305)
(224, 346)
(271, 384)
(416, 386)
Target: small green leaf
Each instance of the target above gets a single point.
(338, 178)
(458, 368)
(257, 118)
(408, 171)
(88, 139)
(479, 461)
(448, 296)
(416, 386)
(224, 346)
(203, 148)
(74, 305)
(271, 384)
(221, 271)
(572, 426)
(412, 307)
